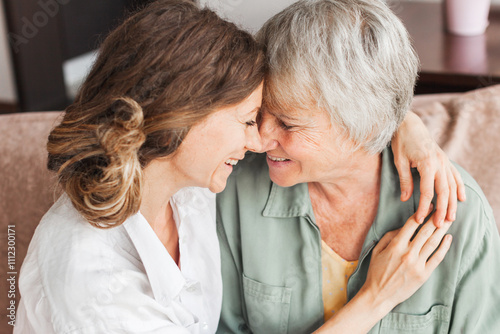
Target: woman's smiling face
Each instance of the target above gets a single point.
(210, 149)
(304, 146)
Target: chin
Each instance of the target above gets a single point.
(282, 182)
(217, 188)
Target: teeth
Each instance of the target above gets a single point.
(277, 159)
(231, 162)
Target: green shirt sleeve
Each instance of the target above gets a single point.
(476, 306)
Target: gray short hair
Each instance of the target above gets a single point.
(351, 58)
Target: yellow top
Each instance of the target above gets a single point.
(336, 272)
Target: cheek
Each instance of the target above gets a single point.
(305, 142)
(223, 140)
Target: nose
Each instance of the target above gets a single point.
(267, 129)
(254, 141)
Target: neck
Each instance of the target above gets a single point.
(158, 188)
(346, 207)
(159, 185)
(361, 177)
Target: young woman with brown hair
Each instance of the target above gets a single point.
(169, 106)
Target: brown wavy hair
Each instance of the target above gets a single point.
(164, 69)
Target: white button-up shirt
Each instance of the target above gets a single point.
(80, 279)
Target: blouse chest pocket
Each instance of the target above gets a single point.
(436, 321)
(267, 306)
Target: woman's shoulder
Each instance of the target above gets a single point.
(65, 246)
(71, 264)
(64, 232)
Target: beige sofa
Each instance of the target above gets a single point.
(26, 191)
(466, 126)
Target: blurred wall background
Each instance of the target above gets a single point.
(7, 89)
(247, 13)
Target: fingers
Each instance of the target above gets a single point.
(437, 175)
(443, 197)
(405, 178)
(399, 266)
(438, 256)
(452, 200)
(424, 243)
(432, 243)
(423, 236)
(386, 239)
(448, 186)
(460, 183)
(426, 195)
(409, 228)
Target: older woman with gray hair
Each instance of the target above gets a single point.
(300, 225)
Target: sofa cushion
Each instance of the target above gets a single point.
(27, 187)
(467, 127)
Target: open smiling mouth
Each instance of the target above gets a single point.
(231, 162)
(276, 159)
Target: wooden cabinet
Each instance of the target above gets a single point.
(45, 33)
(451, 63)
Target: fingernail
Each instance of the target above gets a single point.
(404, 194)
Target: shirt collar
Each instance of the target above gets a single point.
(392, 213)
(164, 276)
(288, 202)
(166, 279)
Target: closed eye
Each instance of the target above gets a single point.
(285, 126)
(251, 123)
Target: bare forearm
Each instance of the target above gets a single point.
(357, 316)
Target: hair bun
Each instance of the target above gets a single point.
(109, 189)
(128, 113)
(122, 137)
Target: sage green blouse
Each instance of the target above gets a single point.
(271, 259)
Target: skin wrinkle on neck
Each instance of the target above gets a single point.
(345, 209)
